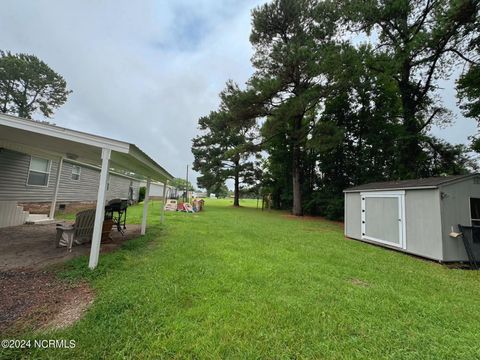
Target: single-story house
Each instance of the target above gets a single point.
(33, 156)
(415, 216)
(30, 181)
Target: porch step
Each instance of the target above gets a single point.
(11, 214)
(39, 219)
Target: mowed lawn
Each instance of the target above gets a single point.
(241, 283)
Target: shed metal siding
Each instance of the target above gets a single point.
(353, 215)
(455, 209)
(13, 179)
(423, 223)
(430, 215)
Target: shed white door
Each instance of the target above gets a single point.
(383, 217)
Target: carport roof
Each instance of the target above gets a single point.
(425, 183)
(39, 138)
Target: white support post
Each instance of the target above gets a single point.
(100, 210)
(145, 208)
(55, 191)
(164, 201)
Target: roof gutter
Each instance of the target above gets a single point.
(139, 155)
(63, 133)
(391, 189)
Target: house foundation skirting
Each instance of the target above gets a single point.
(44, 207)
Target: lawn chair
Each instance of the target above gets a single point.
(80, 232)
(471, 241)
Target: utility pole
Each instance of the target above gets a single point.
(164, 201)
(186, 187)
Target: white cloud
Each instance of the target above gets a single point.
(141, 72)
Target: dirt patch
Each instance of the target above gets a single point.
(38, 299)
(32, 247)
(359, 282)
(75, 305)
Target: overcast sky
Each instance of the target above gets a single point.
(145, 71)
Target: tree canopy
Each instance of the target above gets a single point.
(28, 85)
(181, 184)
(223, 149)
(418, 43)
(334, 112)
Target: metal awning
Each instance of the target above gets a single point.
(37, 138)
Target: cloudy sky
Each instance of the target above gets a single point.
(145, 71)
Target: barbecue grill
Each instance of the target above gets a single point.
(116, 210)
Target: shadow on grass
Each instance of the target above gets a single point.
(77, 269)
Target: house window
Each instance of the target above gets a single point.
(76, 172)
(39, 171)
(475, 211)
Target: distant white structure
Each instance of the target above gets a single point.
(213, 196)
(156, 190)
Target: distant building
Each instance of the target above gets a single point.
(156, 190)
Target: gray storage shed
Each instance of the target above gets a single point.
(415, 216)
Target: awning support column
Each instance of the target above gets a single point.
(145, 208)
(100, 210)
(55, 191)
(164, 201)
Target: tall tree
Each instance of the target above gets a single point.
(27, 85)
(354, 141)
(468, 86)
(469, 92)
(418, 43)
(289, 38)
(181, 184)
(224, 149)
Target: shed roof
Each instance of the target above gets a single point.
(424, 183)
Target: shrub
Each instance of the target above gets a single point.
(141, 193)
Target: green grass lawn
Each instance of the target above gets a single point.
(241, 283)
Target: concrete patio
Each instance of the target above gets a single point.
(33, 246)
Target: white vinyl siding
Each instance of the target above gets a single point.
(38, 172)
(14, 182)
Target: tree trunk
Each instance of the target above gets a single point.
(297, 209)
(297, 189)
(236, 194)
(410, 149)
